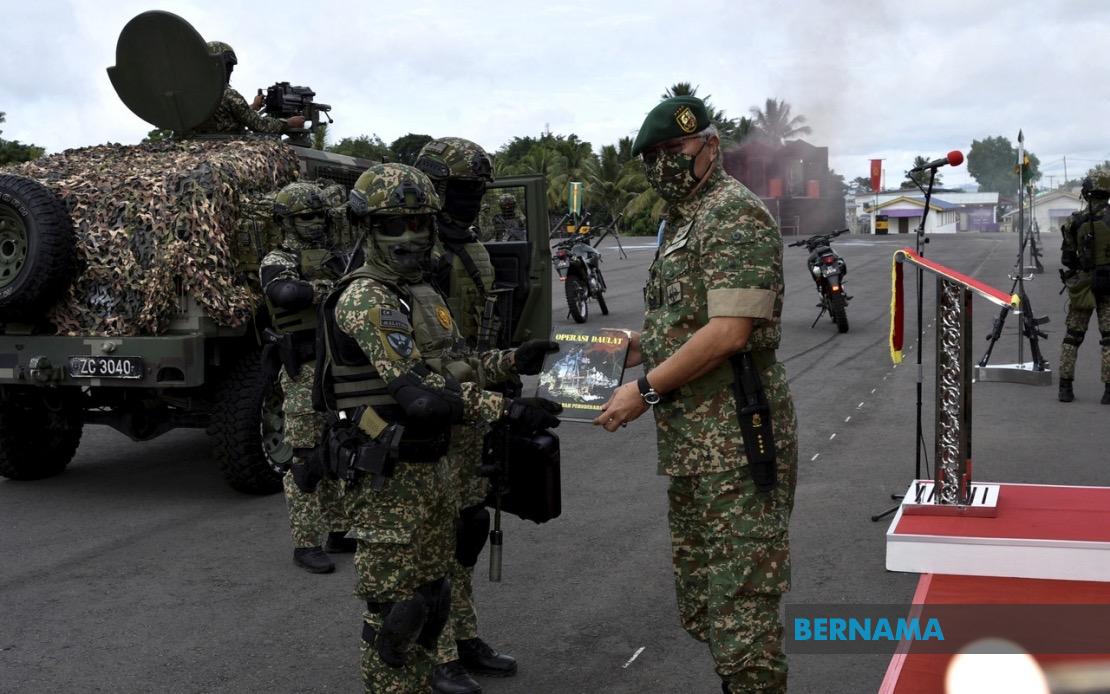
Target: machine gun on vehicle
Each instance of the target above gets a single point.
(284, 100)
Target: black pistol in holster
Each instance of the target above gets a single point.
(281, 344)
(350, 452)
(754, 415)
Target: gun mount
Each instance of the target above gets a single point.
(284, 100)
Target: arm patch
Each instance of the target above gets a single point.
(389, 319)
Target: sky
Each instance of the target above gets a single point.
(874, 79)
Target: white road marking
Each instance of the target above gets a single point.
(814, 457)
(859, 406)
(833, 436)
(848, 419)
(873, 390)
(641, 247)
(634, 656)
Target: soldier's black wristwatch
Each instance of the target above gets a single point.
(651, 398)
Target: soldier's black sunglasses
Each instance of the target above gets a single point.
(397, 226)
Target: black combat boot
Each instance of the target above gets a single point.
(339, 543)
(452, 678)
(313, 560)
(1066, 395)
(1106, 395)
(479, 658)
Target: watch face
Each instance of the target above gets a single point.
(651, 397)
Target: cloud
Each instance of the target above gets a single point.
(875, 79)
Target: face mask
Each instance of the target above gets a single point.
(672, 174)
(463, 200)
(311, 231)
(403, 245)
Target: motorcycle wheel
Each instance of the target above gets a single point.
(578, 299)
(840, 317)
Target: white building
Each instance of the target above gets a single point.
(948, 212)
(1050, 210)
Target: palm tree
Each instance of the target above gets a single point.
(774, 122)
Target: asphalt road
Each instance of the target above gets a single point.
(138, 570)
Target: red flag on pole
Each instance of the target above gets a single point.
(876, 174)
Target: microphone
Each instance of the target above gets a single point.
(953, 158)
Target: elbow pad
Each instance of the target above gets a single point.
(425, 404)
(290, 294)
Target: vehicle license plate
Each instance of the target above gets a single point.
(106, 367)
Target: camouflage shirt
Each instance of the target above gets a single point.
(371, 313)
(721, 255)
(234, 114)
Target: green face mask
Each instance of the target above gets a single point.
(672, 174)
(311, 232)
(403, 245)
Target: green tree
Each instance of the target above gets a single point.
(14, 152)
(364, 146)
(860, 184)
(158, 135)
(406, 147)
(775, 124)
(921, 178)
(320, 136)
(992, 162)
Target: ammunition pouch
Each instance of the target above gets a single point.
(471, 534)
(1074, 337)
(524, 472)
(308, 472)
(754, 415)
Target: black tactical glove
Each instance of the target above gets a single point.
(529, 415)
(528, 358)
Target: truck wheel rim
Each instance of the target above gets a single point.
(13, 246)
(277, 450)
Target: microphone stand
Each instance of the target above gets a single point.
(919, 247)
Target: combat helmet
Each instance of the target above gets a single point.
(397, 203)
(301, 209)
(507, 203)
(1097, 185)
(454, 157)
(224, 51)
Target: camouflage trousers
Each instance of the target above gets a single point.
(311, 514)
(405, 540)
(1076, 325)
(731, 556)
(470, 489)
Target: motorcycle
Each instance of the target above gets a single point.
(578, 265)
(828, 270)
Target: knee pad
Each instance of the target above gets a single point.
(471, 534)
(1074, 338)
(401, 624)
(437, 596)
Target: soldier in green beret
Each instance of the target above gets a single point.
(725, 421)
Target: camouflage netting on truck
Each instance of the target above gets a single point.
(155, 222)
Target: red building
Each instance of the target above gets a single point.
(794, 182)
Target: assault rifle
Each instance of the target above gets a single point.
(284, 100)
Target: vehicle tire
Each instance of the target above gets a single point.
(39, 431)
(37, 249)
(578, 299)
(602, 305)
(840, 317)
(248, 446)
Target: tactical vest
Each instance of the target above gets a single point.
(349, 380)
(313, 265)
(1093, 242)
(470, 278)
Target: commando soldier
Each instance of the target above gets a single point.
(234, 115)
(295, 278)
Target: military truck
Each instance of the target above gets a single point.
(194, 359)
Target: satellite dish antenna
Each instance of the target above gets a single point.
(164, 73)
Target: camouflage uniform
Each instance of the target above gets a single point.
(310, 513)
(405, 531)
(234, 113)
(509, 224)
(722, 256)
(1082, 301)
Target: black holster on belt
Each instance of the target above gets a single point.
(283, 348)
(755, 421)
(349, 453)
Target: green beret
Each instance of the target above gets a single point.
(677, 116)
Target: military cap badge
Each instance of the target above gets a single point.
(686, 119)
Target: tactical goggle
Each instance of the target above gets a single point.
(397, 226)
(669, 147)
